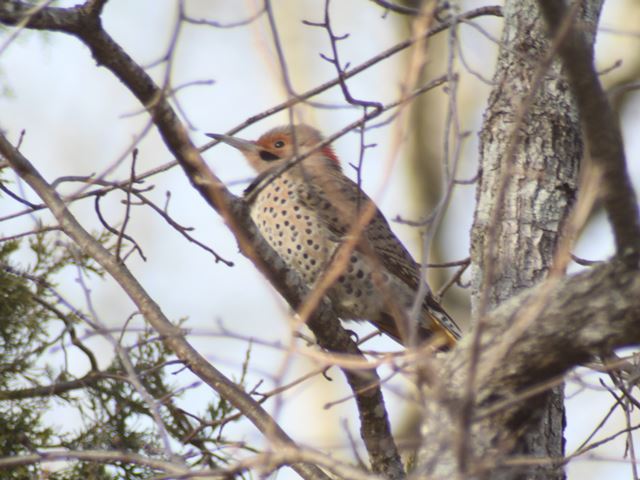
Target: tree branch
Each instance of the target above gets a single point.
(172, 335)
(375, 428)
(9, 16)
(263, 462)
(101, 456)
(528, 340)
(531, 150)
(602, 130)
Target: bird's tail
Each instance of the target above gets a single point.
(435, 325)
(440, 322)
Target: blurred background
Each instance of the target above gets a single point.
(79, 120)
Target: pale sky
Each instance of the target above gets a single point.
(79, 120)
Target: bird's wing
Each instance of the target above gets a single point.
(337, 201)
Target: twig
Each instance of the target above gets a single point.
(37, 23)
(101, 456)
(602, 129)
(112, 230)
(127, 208)
(151, 311)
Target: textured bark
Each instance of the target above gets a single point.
(84, 23)
(526, 190)
(516, 230)
(530, 154)
(527, 341)
(601, 127)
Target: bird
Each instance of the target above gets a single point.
(306, 212)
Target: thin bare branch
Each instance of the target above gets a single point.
(601, 126)
(151, 311)
(102, 456)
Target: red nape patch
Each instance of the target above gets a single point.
(330, 154)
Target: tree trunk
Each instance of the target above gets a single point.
(530, 153)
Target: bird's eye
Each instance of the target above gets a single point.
(279, 144)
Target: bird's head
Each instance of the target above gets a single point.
(280, 144)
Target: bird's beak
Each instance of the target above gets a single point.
(245, 146)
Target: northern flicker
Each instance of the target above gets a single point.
(305, 212)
